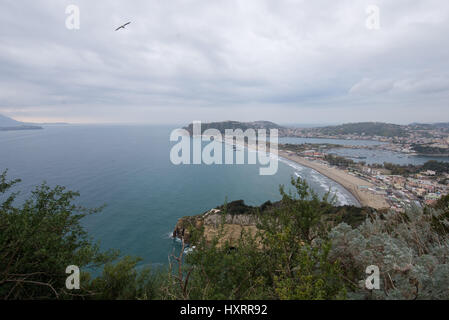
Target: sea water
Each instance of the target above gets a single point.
(128, 169)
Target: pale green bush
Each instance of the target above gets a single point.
(412, 256)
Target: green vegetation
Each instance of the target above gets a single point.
(437, 166)
(403, 170)
(406, 170)
(410, 249)
(365, 128)
(233, 125)
(280, 262)
(429, 126)
(338, 161)
(43, 236)
(331, 214)
(424, 149)
(305, 248)
(308, 146)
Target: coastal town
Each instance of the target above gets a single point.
(399, 191)
(378, 184)
(400, 186)
(414, 139)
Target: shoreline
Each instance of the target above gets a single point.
(356, 197)
(349, 182)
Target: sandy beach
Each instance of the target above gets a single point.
(349, 182)
(356, 186)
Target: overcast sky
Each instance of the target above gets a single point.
(293, 61)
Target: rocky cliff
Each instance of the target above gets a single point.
(230, 221)
(215, 223)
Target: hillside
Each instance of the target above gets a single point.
(223, 125)
(430, 126)
(8, 124)
(364, 128)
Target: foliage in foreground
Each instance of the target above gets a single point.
(280, 262)
(410, 249)
(296, 254)
(43, 236)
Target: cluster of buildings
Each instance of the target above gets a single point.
(434, 138)
(400, 191)
(312, 154)
(423, 188)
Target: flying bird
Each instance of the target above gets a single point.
(123, 26)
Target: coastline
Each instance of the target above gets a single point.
(347, 181)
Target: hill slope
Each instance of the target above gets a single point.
(223, 125)
(7, 124)
(365, 128)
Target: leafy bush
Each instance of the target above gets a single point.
(303, 249)
(43, 236)
(282, 261)
(413, 257)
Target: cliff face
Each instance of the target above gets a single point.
(228, 222)
(215, 223)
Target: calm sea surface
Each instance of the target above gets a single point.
(369, 156)
(128, 168)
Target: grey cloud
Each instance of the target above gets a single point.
(184, 60)
(416, 86)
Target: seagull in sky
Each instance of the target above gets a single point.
(123, 26)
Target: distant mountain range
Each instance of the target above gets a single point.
(380, 129)
(430, 126)
(365, 128)
(360, 128)
(7, 124)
